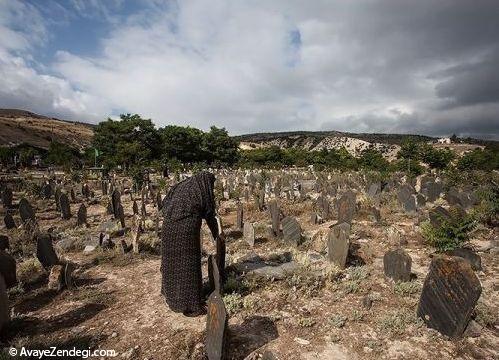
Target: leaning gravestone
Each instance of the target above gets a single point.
(8, 269)
(26, 211)
(397, 265)
(346, 208)
(4, 304)
(115, 201)
(249, 233)
(291, 230)
(406, 199)
(214, 275)
(82, 215)
(7, 198)
(9, 221)
(45, 251)
(450, 293)
(338, 244)
(216, 328)
(65, 206)
(121, 215)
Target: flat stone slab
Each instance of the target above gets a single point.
(450, 293)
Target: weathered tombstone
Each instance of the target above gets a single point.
(8, 269)
(72, 194)
(323, 207)
(374, 189)
(420, 200)
(121, 215)
(346, 208)
(276, 218)
(450, 293)
(9, 221)
(431, 189)
(45, 251)
(291, 230)
(115, 201)
(216, 327)
(406, 199)
(57, 196)
(4, 305)
(338, 244)
(397, 265)
(46, 190)
(104, 187)
(26, 211)
(65, 206)
(4, 242)
(214, 275)
(82, 215)
(249, 233)
(85, 190)
(469, 255)
(438, 215)
(135, 208)
(240, 217)
(7, 198)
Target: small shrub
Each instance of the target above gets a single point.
(451, 234)
(306, 322)
(29, 271)
(338, 320)
(485, 315)
(233, 303)
(395, 322)
(406, 288)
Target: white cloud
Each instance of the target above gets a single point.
(359, 67)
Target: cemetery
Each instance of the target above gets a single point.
(306, 264)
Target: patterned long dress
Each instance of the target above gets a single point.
(184, 207)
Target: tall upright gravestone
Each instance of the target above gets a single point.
(26, 211)
(346, 208)
(216, 328)
(338, 244)
(240, 217)
(65, 206)
(275, 217)
(7, 198)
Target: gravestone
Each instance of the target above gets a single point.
(375, 214)
(45, 251)
(46, 191)
(159, 201)
(291, 230)
(4, 242)
(7, 198)
(323, 207)
(240, 217)
(275, 217)
(26, 211)
(135, 208)
(65, 207)
(115, 201)
(57, 196)
(9, 221)
(469, 255)
(85, 190)
(438, 215)
(109, 207)
(374, 189)
(4, 305)
(8, 269)
(420, 200)
(346, 208)
(430, 189)
(406, 199)
(121, 215)
(397, 265)
(214, 275)
(220, 256)
(104, 187)
(338, 244)
(216, 328)
(61, 276)
(450, 293)
(249, 233)
(82, 215)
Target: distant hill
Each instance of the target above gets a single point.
(20, 126)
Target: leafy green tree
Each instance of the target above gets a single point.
(62, 155)
(479, 159)
(182, 143)
(219, 146)
(372, 159)
(436, 158)
(7, 155)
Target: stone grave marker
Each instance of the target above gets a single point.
(4, 242)
(8, 269)
(406, 199)
(7, 198)
(438, 215)
(57, 196)
(240, 217)
(346, 208)
(121, 215)
(115, 202)
(291, 230)
(338, 244)
(45, 251)
(64, 206)
(216, 328)
(82, 215)
(46, 191)
(9, 221)
(450, 293)
(26, 211)
(275, 217)
(249, 233)
(323, 207)
(397, 265)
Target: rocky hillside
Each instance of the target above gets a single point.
(19, 126)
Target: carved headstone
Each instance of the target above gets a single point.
(57, 196)
(26, 211)
(338, 244)
(82, 215)
(397, 265)
(291, 230)
(8, 269)
(323, 207)
(7, 198)
(45, 251)
(406, 199)
(135, 208)
(121, 215)
(116, 201)
(249, 233)
(240, 217)
(346, 208)
(275, 215)
(450, 293)
(9, 221)
(65, 206)
(216, 327)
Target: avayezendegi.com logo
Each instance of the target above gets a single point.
(60, 353)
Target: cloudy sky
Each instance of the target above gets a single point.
(425, 66)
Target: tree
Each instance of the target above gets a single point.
(436, 158)
(182, 143)
(62, 155)
(219, 146)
